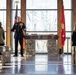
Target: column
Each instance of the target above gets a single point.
(8, 22)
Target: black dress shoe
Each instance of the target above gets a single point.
(15, 55)
(22, 56)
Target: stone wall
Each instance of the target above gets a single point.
(30, 47)
(52, 49)
(51, 46)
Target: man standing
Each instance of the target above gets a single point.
(18, 29)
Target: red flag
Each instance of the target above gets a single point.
(63, 36)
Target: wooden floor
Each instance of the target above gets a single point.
(40, 64)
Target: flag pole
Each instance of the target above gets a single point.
(16, 12)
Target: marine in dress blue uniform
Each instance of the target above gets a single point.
(18, 29)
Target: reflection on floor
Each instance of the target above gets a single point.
(40, 64)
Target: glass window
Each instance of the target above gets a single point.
(41, 20)
(3, 19)
(67, 4)
(67, 46)
(68, 20)
(14, 2)
(68, 25)
(2, 4)
(41, 4)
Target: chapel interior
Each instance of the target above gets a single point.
(44, 53)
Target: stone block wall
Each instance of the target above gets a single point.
(52, 49)
(30, 47)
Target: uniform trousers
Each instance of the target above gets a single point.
(20, 40)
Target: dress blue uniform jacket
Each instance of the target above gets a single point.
(19, 26)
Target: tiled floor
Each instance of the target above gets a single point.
(40, 64)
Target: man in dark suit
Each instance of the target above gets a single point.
(18, 29)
